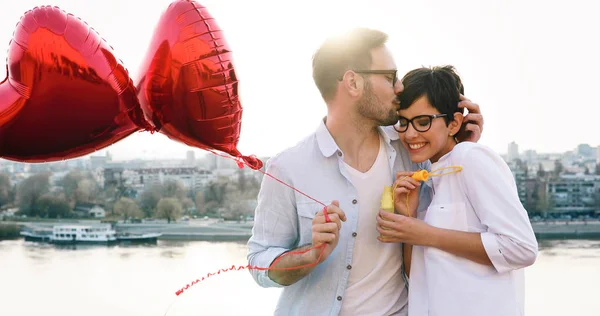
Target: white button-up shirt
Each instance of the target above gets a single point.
(481, 198)
(283, 219)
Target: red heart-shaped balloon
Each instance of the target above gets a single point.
(188, 89)
(65, 95)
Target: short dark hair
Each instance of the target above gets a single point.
(441, 85)
(339, 54)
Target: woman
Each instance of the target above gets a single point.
(469, 247)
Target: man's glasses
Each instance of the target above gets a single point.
(392, 74)
(421, 123)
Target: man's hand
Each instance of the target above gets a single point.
(294, 265)
(472, 126)
(327, 232)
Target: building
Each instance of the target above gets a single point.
(113, 177)
(520, 176)
(192, 178)
(530, 156)
(89, 210)
(585, 151)
(574, 194)
(224, 163)
(530, 188)
(100, 161)
(98, 175)
(77, 163)
(532, 194)
(213, 161)
(190, 158)
(513, 152)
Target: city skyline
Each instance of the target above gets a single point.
(521, 64)
(188, 153)
(200, 154)
(178, 151)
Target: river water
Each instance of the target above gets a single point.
(46, 280)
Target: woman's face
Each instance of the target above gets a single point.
(434, 142)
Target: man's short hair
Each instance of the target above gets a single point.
(441, 85)
(339, 54)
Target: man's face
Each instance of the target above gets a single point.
(378, 101)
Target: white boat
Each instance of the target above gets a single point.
(97, 234)
(36, 234)
(83, 234)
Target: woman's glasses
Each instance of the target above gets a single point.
(421, 123)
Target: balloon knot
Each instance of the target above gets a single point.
(252, 161)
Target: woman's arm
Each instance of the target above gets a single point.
(509, 241)
(463, 244)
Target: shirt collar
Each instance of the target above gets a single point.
(440, 161)
(328, 146)
(389, 133)
(325, 140)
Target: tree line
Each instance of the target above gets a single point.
(35, 196)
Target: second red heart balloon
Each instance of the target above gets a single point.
(188, 87)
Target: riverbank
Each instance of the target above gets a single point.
(215, 230)
(198, 230)
(193, 230)
(9, 231)
(567, 230)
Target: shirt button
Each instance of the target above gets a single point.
(339, 298)
(354, 201)
(349, 267)
(339, 153)
(353, 234)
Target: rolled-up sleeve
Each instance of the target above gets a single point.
(509, 241)
(275, 228)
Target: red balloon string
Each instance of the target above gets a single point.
(249, 267)
(241, 162)
(270, 268)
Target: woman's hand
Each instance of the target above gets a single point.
(406, 187)
(395, 228)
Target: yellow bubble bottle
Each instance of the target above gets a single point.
(387, 199)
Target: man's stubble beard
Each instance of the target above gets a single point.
(372, 108)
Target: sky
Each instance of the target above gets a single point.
(532, 66)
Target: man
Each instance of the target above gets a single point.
(346, 163)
